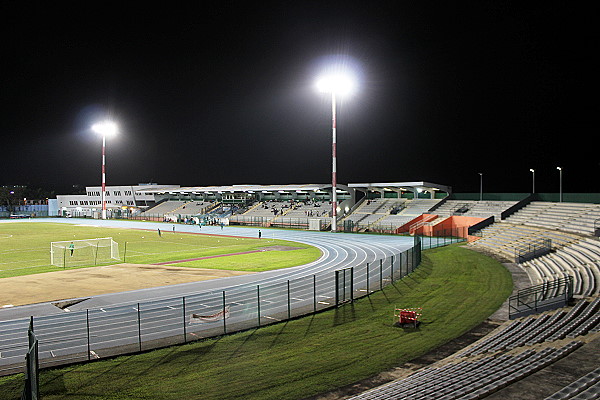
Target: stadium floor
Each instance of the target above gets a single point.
(339, 250)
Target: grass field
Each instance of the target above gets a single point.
(456, 287)
(25, 248)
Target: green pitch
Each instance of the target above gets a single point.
(25, 248)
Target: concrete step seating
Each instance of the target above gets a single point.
(372, 210)
(165, 207)
(503, 238)
(580, 259)
(586, 387)
(537, 329)
(194, 208)
(470, 379)
(475, 208)
(309, 210)
(412, 209)
(571, 217)
(513, 351)
(267, 210)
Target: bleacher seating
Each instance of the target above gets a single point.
(192, 208)
(372, 210)
(568, 225)
(586, 387)
(580, 259)
(266, 210)
(571, 217)
(548, 326)
(165, 207)
(470, 379)
(308, 209)
(410, 209)
(503, 238)
(505, 356)
(473, 208)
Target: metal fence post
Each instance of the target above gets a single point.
(314, 293)
(380, 273)
(352, 284)
(224, 314)
(184, 319)
(289, 301)
(87, 326)
(368, 292)
(258, 303)
(139, 326)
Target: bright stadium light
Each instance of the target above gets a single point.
(340, 84)
(336, 83)
(105, 128)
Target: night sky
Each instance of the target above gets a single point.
(224, 93)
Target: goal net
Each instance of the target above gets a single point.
(70, 253)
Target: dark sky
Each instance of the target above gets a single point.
(223, 93)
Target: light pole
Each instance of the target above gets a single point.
(340, 84)
(559, 184)
(480, 186)
(104, 128)
(532, 179)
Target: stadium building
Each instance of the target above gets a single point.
(121, 201)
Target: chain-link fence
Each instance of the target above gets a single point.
(97, 333)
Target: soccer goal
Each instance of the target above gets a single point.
(71, 253)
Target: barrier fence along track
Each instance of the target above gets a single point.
(102, 332)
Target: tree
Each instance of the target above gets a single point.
(11, 196)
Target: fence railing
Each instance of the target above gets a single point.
(108, 331)
(543, 297)
(531, 250)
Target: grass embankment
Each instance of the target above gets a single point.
(456, 287)
(25, 248)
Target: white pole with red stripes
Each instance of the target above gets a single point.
(104, 176)
(104, 128)
(334, 165)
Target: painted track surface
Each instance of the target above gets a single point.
(113, 320)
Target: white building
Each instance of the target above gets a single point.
(121, 200)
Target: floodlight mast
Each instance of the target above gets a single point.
(333, 164)
(334, 84)
(104, 128)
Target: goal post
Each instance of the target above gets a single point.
(71, 253)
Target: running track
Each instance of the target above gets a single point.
(113, 319)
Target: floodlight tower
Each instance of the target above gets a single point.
(341, 84)
(532, 179)
(105, 128)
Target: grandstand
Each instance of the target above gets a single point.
(567, 227)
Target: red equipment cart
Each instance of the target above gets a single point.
(408, 316)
